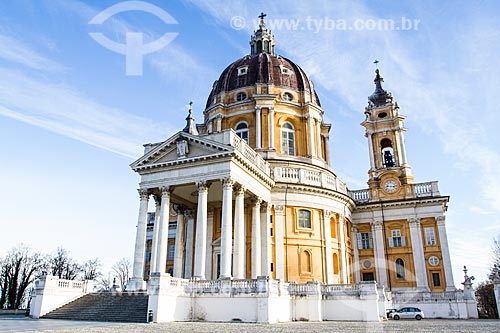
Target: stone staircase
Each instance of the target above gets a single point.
(116, 306)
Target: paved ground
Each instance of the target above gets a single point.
(25, 324)
(426, 325)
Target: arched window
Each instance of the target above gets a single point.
(304, 219)
(387, 153)
(305, 262)
(287, 139)
(333, 227)
(242, 131)
(266, 46)
(335, 263)
(400, 268)
(259, 46)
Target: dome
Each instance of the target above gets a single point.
(264, 68)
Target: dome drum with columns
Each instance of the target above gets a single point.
(250, 192)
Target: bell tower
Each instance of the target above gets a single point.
(390, 174)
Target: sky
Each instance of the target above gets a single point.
(72, 120)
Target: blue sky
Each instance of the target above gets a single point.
(71, 121)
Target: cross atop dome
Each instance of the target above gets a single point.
(262, 40)
(262, 23)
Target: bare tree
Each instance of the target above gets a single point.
(103, 283)
(91, 269)
(486, 303)
(121, 270)
(18, 270)
(63, 266)
(496, 251)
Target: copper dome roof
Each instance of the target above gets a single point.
(263, 68)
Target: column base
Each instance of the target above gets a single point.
(136, 284)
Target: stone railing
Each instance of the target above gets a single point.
(340, 289)
(308, 176)
(429, 189)
(360, 195)
(229, 137)
(51, 292)
(415, 296)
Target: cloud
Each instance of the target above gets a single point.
(60, 109)
(14, 50)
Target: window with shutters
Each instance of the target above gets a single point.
(365, 240)
(397, 240)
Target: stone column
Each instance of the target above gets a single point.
(445, 252)
(188, 256)
(318, 138)
(239, 233)
(311, 134)
(327, 149)
(279, 231)
(380, 264)
(370, 150)
(219, 122)
(328, 246)
(161, 254)
(343, 254)
(200, 250)
(140, 243)
(256, 244)
(403, 148)
(154, 242)
(271, 127)
(357, 275)
(258, 131)
(226, 243)
(210, 228)
(265, 239)
(179, 242)
(418, 254)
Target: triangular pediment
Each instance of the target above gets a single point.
(181, 147)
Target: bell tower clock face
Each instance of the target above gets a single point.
(390, 186)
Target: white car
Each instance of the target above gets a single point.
(407, 313)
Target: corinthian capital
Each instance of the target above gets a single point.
(227, 182)
(441, 220)
(202, 185)
(377, 225)
(414, 222)
(165, 191)
(143, 193)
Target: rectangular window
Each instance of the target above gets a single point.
(430, 236)
(397, 240)
(365, 240)
(171, 252)
(436, 280)
(304, 219)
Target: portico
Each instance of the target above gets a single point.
(226, 174)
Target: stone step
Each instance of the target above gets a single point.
(117, 307)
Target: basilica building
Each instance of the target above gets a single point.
(247, 202)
